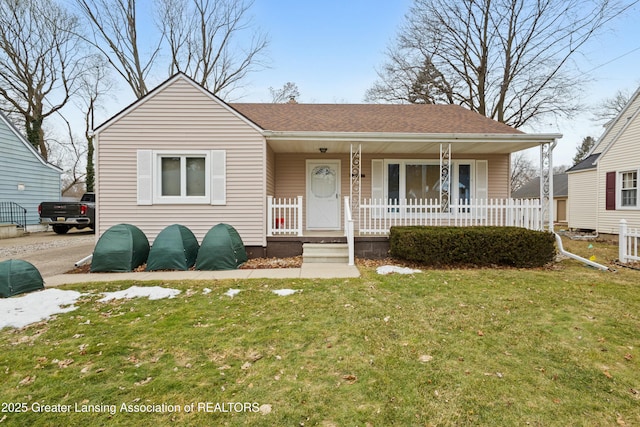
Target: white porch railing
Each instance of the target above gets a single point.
(378, 216)
(628, 243)
(284, 216)
(348, 229)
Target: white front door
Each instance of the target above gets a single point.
(323, 194)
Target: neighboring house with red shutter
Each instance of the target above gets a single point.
(287, 174)
(603, 188)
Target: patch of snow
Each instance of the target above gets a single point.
(30, 308)
(152, 292)
(206, 291)
(232, 292)
(390, 269)
(286, 292)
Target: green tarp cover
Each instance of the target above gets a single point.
(175, 248)
(121, 248)
(221, 249)
(17, 277)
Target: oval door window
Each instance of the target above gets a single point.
(323, 182)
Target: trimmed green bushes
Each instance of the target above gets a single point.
(478, 246)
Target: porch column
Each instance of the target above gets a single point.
(546, 184)
(445, 176)
(356, 186)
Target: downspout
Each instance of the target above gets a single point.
(84, 260)
(579, 258)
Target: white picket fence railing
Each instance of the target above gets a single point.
(628, 243)
(378, 216)
(284, 216)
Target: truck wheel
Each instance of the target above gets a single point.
(60, 229)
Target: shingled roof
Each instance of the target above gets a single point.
(385, 118)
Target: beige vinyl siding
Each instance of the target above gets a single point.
(623, 155)
(581, 209)
(179, 117)
(271, 173)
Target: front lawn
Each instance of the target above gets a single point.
(553, 347)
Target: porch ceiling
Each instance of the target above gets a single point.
(308, 142)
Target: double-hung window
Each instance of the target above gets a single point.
(629, 189)
(181, 177)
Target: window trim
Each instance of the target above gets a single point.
(619, 190)
(149, 180)
(454, 183)
(159, 199)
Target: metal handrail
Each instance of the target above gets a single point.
(13, 213)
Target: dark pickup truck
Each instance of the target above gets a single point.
(63, 216)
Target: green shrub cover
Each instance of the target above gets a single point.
(221, 249)
(121, 248)
(18, 277)
(479, 246)
(174, 248)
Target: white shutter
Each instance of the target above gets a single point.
(218, 177)
(482, 179)
(145, 177)
(377, 179)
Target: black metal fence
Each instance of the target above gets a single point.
(13, 213)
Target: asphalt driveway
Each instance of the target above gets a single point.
(51, 253)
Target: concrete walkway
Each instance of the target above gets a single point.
(307, 271)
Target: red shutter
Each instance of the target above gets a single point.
(611, 191)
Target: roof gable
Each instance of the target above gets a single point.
(618, 125)
(159, 89)
(21, 139)
(373, 118)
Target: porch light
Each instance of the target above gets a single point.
(323, 149)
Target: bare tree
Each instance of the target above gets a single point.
(95, 85)
(609, 108)
(510, 60)
(116, 34)
(402, 82)
(522, 170)
(204, 38)
(73, 156)
(41, 60)
(289, 91)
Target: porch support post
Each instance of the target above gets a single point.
(356, 186)
(300, 216)
(445, 176)
(546, 185)
(269, 215)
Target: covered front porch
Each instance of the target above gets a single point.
(353, 185)
(387, 186)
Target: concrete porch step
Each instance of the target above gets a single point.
(325, 253)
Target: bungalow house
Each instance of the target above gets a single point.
(284, 174)
(603, 188)
(26, 179)
(531, 190)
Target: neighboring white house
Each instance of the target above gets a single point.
(603, 188)
(26, 179)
